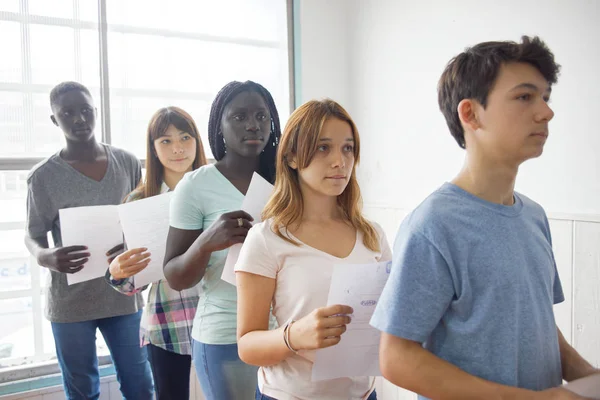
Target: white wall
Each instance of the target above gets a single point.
(324, 50)
(382, 60)
(399, 49)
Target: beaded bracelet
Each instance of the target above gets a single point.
(286, 336)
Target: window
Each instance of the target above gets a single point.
(179, 53)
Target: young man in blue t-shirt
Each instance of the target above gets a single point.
(467, 312)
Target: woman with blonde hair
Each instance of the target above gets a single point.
(312, 222)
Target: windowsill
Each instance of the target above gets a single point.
(28, 388)
(33, 377)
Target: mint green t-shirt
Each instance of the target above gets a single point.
(198, 200)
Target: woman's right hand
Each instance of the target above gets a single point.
(321, 328)
(129, 263)
(230, 228)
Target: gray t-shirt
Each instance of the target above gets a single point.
(475, 282)
(53, 184)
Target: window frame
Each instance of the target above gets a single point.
(43, 364)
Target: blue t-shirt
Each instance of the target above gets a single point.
(475, 282)
(199, 199)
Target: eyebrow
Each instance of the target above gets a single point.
(329, 140)
(531, 86)
(180, 132)
(239, 109)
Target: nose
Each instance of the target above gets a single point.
(545, 113)
(79, 119)
(177, 148)
(337, 159)
(252, 125)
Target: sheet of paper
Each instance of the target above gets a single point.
(357, 354)
(96, 227)
(587, 387)
(256, 199)
(146, 224)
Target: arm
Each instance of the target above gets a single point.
(573, 365)
(257, 345)
(69, 260)
(186, 258)
(188, 251)
(123, 267)
(407, 364)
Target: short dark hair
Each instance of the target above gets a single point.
(65, 87)
(471, 74)
(225, 95)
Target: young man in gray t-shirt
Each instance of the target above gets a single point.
(467, 312)
(84, 173)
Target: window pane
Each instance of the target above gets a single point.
(15, 273)
(12, 122)
(14, 258)
(10, 48)
(88, 10)
(52, 54)
(90, 59)
(54, 8)
(16, 335)
(257, 19)
(9, 5)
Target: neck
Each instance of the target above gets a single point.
(172, 178)
(318, 207)
(488, 179)
(239, 166)
(82, 151)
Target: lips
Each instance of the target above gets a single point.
(81, 130)
(540, 134)
(337, 177)
(253, 139)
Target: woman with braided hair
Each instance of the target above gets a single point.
(206, 220)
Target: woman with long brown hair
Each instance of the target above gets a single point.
(312, 221)
(173, 148)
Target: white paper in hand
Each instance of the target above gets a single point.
(146, 224)
(357, 354)
(256, 199)
(588, 387)
(96, 227)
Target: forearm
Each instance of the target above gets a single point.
(186, 270)
(35, 245)
(263, 348)
(573, 365)
(418, 370)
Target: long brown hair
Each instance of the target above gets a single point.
(159, 123)
(300, 139)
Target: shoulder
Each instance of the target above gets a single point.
(43, 169)
(530, 207)
(122, 155)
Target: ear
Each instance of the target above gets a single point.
(291, 161)
(53, 119)
(467, 113)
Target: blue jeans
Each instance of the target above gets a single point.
(222, 375)
(76, 351)
(260, 396)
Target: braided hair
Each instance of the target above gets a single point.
(217, 146)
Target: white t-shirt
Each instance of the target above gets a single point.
(303, 276)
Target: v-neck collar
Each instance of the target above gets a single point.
(84, 176)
